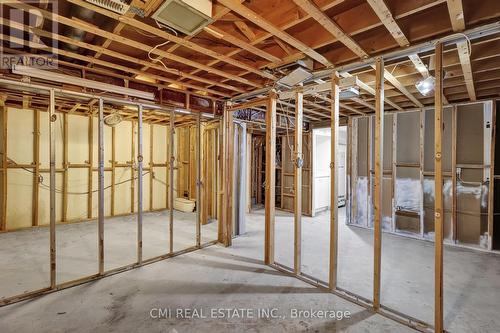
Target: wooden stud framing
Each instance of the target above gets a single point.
(270, 178)
(229, 178)
(377, 181)
(133, 167)
(171, 177)
(198, 180)
(491, 188)
(100, 209)
(4, 113)
(91, 165)
(151, 166)
(299, 97)
(36, 170)
(52, 152)
(113, 169)
(454, 182)
(139, 184)
(334, 183)
(438, 185)
(66, 169)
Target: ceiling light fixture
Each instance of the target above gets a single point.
(426, 85)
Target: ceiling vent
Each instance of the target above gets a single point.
(117, 6)
(186, 16)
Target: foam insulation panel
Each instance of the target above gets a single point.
(408, 193)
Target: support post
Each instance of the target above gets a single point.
(3, 142)
(198, 180)
(377, 184)
(171, 183)
(229, 176)
(91, 164)
(100, 209)
(270, 177)
(438, 186)
(334, 203)
(299, 99)
(36, 161)
(66, 168)
(52, 153)
(113, 168)
(139, 186)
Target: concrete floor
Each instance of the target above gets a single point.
(235, 278)
(27, 268)
(471, 278)
(211, 278)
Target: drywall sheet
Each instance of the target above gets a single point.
(408, 138)
(471, 201)
(446, 140)
(387, 148)
(470, 123)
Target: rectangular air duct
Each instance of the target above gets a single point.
(186, 16)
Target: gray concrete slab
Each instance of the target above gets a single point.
(234, 277)
(211, 278)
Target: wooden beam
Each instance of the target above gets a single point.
(270, 178)
(463, 53)
(312, 9)
(297, 179)
(127, 42)
(377, 182)
(172, 38)
(249, 14)
(456, 11)
(117, 55)
(334, 184)
(245, 30)
(371, 91)
(438, 188)
(221, 34)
